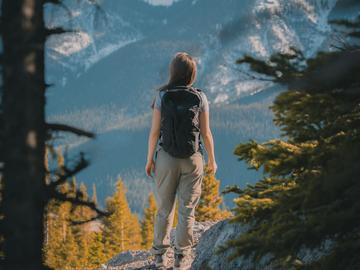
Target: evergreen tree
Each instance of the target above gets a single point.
(147, 224)
(68, 250)
(208, 208)
(67, 244)
(121, 229)
(309, 197)
(56, 225)
(96, 255)
(27, 190)
(60, 237)
(94, 194)
(81, 232)
(134, 233)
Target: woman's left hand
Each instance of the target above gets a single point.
(149, 167)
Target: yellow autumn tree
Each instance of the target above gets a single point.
(208, 208)
(82, 232)
(66, 245)
(134, 233)
(121, 228)
(60, 246)
(147, 224)
(96, 254)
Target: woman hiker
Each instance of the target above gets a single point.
(175, 158)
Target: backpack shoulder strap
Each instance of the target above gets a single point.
(198, 92)
(196, 89)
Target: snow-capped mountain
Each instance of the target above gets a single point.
(258, 28)
(105, 73)
(269, 27)
(93, 34)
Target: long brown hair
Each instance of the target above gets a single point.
(182, 71)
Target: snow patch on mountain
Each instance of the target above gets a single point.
(69, 43)
(257, 45)
(100, 53)
(161, 2)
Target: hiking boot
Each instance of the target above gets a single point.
(182, 262)
(161, 260)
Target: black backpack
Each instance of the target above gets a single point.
(180, 127)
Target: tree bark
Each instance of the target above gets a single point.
(24, 200)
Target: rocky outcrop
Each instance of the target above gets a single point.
(143, 260)
(207, 257)
(209, 236)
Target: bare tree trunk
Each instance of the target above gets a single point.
(23, 204)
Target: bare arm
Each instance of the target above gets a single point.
(153, 138)
(206, 134)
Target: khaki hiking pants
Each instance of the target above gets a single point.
(184, 177)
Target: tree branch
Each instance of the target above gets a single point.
(80, 222)
(57, 31)
(82, 164)
(64, 197)
(63, 127)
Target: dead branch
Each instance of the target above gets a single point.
(67, 128)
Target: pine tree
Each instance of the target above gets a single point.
(56, 225)
(147, 224)
(60, 236)
(94, 194)
(96, 255)
(121, 229)
(73, 186)
(310, 193)
(208, 208)
(81, 233)
(27, 190)
(134, 233)
(68, 250)
(67, 244)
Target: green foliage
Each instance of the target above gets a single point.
(208, 208)
(309, 196)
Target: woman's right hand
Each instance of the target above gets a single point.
(149, 167)
(212, 166)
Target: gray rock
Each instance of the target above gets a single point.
(206, 257)
(128, 257)
(143, 259)
(208, 237)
